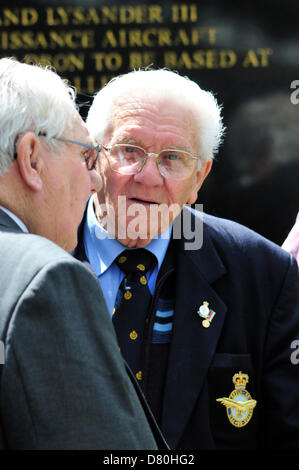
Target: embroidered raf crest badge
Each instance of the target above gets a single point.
(239, 405)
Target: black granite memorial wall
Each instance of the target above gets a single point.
(245, 52)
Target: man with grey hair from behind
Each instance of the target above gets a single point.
(207, 329)
(64, 384)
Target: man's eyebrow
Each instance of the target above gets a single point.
(126, 140)
(136, 141)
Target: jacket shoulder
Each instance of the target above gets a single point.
(237, 234)
(26, 258)
(237, 243)
(30, 250)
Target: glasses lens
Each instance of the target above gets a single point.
(126, 159)
(176, 164)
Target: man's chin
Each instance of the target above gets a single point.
(135, 243)
(135, 238)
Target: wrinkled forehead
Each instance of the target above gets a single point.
(160, 105)
(137, 113)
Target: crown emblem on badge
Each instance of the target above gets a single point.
(239, 405)
(240, 380)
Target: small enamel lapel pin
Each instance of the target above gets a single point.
(206, 313)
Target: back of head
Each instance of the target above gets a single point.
(159, 85)
(32, 98)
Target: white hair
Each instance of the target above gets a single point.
(32, 98)
(160, 84)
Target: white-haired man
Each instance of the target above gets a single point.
(63, 382)
(219, 327)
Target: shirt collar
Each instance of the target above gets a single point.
(15, 219)
(102, 249)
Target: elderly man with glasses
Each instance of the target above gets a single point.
(205, 323)
(64, 384)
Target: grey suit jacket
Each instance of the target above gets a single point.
(63, 384)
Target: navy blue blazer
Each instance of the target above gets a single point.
(252, 285)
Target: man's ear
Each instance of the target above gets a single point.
(201, 175)
(29, 161)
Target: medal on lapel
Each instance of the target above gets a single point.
(239, 405)
(206, 313)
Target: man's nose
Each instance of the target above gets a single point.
(149, 175)
(95, 181)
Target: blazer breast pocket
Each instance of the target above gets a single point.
(233, 406)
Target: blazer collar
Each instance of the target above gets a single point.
(206, 258)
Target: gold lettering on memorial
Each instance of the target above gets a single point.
(155, 14)
(87, 87)
(258, 58)
(109, 39)
(209, 59)
(18, 17)
(79, 17)
(111, 61)
(61, 62)
(57, 16)
(158, 37)
(207, 33)
(184, 13)
(141, 59)
(89, 83)
(119, 38)
(109, 15)
(142, 14)
(48, 40)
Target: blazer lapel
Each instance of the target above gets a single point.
(193, 346)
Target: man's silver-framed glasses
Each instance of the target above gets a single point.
(128, 159)
(90, 155)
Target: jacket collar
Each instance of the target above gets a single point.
(7, 224)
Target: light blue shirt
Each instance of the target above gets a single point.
(16, 219)
(101, 251)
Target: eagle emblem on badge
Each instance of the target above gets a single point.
(239, 405)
